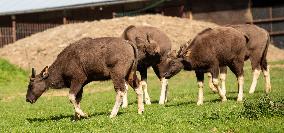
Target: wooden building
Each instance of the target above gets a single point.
(21, 18)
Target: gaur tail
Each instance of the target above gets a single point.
(263, 62)
(124, 34)
(131, 77)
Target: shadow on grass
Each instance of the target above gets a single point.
(152, 102)
(60, 117)
(181, 104)
(218, 100)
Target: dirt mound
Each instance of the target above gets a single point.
(42, 48)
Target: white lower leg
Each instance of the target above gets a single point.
(166, 94)
(220, 91)
(267, 80)
(254, 81)
(118, 101)
(223, 82)
(241, 86)
(139, 93)
(200, 93)
(210, 82)
(146, 94)
(124, 100)
(164, 83)
(76, 105)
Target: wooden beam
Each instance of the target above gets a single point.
(14, 34)
(276, 33)
(64, 19)
(268, 20)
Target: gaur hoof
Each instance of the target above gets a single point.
(161, 102)
(240, 99)
(166, 100)
(268, 90)
(112, 116)
(140, 112)
(124, 106)
(224, 99)
(251, 91)
(148, 102)
(77, 116)
(199, 103)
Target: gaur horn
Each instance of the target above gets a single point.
(33, 75)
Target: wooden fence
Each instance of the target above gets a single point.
(26, 29)
(22, 30)
(272, 19)
(6, 36)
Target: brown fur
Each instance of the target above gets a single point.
(88, 60)
(145, 60)
(257, 45)
(210, 50)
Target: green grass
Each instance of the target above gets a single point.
(54, 113)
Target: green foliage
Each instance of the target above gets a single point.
(11, 78)
(54, 113)
(263, 107)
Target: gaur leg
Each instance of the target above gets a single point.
(164, 85)
(134, 82)
(124, 100)
(237, 68)
(266, 73)
(255, 64)
(144, 85)
(200, 81)
(119, 86)
(223, 74)
(215, 73)
(75, 96)
(210, 82)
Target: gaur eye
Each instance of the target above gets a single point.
(30, 86)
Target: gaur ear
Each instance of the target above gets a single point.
(247, 38)
(139, 41)
(150, 39)
(187, 53)
(182, 49)
(153, 44)
(44, 73)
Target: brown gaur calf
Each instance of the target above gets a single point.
(210, 50)
(156, 61)
(90, 60)
(257, 50)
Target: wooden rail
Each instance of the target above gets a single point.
(268, 20)
(276, 33)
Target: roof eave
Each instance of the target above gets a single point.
(70, 7)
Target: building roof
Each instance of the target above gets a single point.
(13, 7)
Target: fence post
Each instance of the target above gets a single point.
(14, 34)
(64, 17)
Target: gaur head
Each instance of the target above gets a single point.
(174, 63)
(148, 46)
(37, 85)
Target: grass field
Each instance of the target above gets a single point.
(54, 113)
